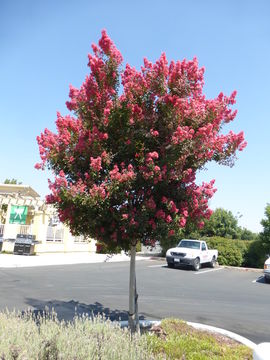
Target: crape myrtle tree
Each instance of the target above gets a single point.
(125, 162)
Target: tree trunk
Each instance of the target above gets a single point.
(133, 318)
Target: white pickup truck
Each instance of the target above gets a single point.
(267, 270)
(191, 252)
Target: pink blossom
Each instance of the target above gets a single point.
(153, 224)
(172, 207)
(95, 163)
(185, 213)
(164, 199)
(201, 224)
(168, 219)
(182, 222)
(154, 132)
(160, 214)
(150, 203)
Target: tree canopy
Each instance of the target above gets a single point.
(12, 181)
(125, 164)
(222, 223)
(265, 234)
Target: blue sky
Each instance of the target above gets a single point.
(44, 47)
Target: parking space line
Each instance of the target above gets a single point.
(152, 266)
(203, 272)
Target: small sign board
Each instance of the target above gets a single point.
(18, 214)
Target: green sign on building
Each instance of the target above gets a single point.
(18, 214)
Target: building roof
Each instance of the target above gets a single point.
(20, 190)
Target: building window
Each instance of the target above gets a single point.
(1, 230)
(80, 239)
(55, 234)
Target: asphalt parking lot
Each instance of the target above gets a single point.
(236, 300)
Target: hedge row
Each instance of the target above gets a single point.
(237, 252)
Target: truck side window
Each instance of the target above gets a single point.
(203, 247)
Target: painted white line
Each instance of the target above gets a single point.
(203, 272)
(259, 278)
(156, 266)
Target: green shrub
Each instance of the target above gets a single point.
(249, 253)
(230, 252)
(255, 255)
(138, 247)
(102, 248)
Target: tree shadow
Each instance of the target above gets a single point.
(66, 310)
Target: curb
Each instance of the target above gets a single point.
(242, 268)
(242, 340)
(157, 258)
(59, 259)
(224, 332)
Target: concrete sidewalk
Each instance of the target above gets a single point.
(48, 259)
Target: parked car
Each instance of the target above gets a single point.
(267, 270)
(192, 253)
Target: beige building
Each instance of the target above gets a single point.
(23, 213)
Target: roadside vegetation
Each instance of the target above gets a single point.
(236, 246)
(175, 339)
(26, 337)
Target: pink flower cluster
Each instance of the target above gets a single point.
(181, 134)
(98, 191)
(123, 176)
(95, 163)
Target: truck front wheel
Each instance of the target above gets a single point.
(196, 264)
(213, 262)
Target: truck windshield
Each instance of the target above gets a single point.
(189, 244)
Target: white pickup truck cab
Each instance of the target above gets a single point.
(267, 270)
(193, 253)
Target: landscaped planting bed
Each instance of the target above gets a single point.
(26, 337)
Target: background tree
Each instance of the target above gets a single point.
(248, 235)
(265, 234)
(222, 223)
(125, 165)
(12, 181)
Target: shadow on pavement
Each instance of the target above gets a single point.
(261, 280)
(66, 310)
